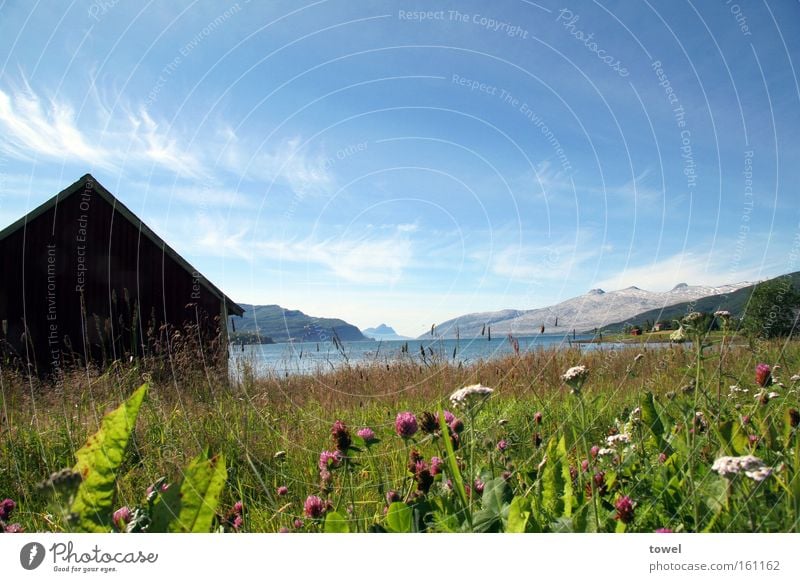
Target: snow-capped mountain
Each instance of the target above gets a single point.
(583, 313)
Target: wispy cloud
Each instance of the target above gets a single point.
(530, 263)
(35, 126)
(368, 259)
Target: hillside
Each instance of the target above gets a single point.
(283, 325)
(735, 302)
(595, 309)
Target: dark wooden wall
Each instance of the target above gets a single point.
(81, 273)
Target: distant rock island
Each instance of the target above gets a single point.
(383, 332)
(284, 325)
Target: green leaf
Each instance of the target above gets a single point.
(652, 420)
(399, 518)
(552, 481)
(519, 514)
(788, 429)
(494, 502)
(335, 522)
(734, 438)
(452, 466)
(566, 477)
(97, 463)
(191, 506)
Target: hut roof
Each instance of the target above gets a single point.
(126, 213)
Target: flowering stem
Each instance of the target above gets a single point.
(587, 452)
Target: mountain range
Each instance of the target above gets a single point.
(595, 309)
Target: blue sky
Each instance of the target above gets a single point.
(367, 161)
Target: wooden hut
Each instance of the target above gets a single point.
(84, 279)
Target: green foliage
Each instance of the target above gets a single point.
(335, 522)
(399, 518)
(98, 462)
(772, 309)
(556, 480)
(191, 506)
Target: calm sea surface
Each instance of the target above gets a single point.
(308, 358)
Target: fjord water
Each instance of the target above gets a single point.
(310, 357)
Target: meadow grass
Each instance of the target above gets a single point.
(273, 429)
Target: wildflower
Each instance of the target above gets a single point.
(575, 377)
(283, 530)
(436, 465)
(745, 419)
(392, 497)
(502, 445)
(584, 465)
(14, 528)
(298, 523)
(662, 457)
(449, 417)
(753, 467)
(700, 422)
(238, 508)
(329, 460)
(405, 424)
(423, 477)
(617, 439)
(753, 438)
(663, 530)
(122, 517)
(428, 423)
(624, 506)
(314, 507)
(763, 375)
(7, 506)
(537, 417)
(692, 317)
(341, 436)
(605, 452)
(282, 490)
(469, 396)
(457, 426)
(595, 450)
(237, 523)
(479, 486)
(367, 434)
(795, 378)
(678, 336)
(599, 480)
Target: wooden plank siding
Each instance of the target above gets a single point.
(83, 277)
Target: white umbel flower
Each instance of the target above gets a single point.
(618, 439)
(751, 466)
(575, 377)
(468, 396)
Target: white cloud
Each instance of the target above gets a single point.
(367, 259)
(535, 263)
(32, 126)
(686, 267)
